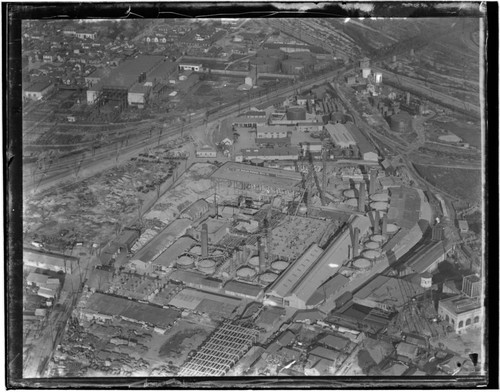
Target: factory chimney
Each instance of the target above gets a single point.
(262, 255)
(384, 225)
(362, 197)
(408, 98)
(371, 189)
(355, 243)
(204, 240)
(376, 222)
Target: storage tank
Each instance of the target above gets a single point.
(196, 250)
(371, 254)
(268, 277)
(246, 272)
(279, 265)
(296, 113)
(372, 245)
(400, 122)
(352, 202)
(362, 263)
(254, 261)
(184, 262)
(377, 238)
(378, 205)
(392, 228)
(217, 253)
(207, 266)
(426, 280)
(380, 197)
(350, 193)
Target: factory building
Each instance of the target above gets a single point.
(366, 149)
(269, 154)
(216, 230)
(267, 131)
(461, 312)
(472, 285)
(387, 293)
(127, 239)
(196, 210)
(104, 307)
(426, 257)
(206, 152)
(190, 67)
(50, 261)
(39, 90)
(251, 119)
(296, 286)
(273, 142)
(262, 181)
(340, 135)
(132, 82)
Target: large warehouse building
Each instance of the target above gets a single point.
(132, 81)
(250, 180)
(298, 284)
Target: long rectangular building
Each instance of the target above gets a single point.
(109, 306)
(241, 178)
(300, 281)
(340, 135)
(269, 154)
(48, 260)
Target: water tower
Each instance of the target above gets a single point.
(426, 284)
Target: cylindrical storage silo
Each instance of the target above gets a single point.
(246, 272)
(377, 238)
(371, 245)
(254, 261)
(184, 262)
(362, 263)
(296, 113)
(196, 250)
(279, 265)
(207, 266)
(268, 277)
(371, 254)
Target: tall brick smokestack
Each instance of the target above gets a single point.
(376, 226)
(355, 243)
(204, 240)
(262, 255)
(362, 197)
(371, 190)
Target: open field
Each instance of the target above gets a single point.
(462, 183)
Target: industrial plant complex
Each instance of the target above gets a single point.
(249, 197)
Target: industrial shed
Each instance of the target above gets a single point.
(242, 289)
(111, 306)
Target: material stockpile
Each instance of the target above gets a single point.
(193, 185)
(92, 208)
